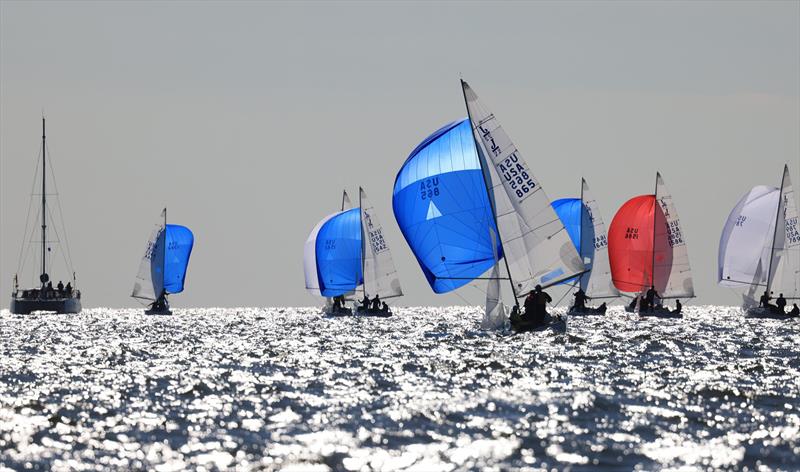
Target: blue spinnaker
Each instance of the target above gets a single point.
(575, 218)
(338, 254)
(171, 258)
(442, 207)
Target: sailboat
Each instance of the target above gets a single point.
(581, 217)
(647, 250)
(45, 297)
(347, 250)
(461, 216)
(162, 270)
(759, 249)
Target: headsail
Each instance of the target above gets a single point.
(495, 314)
(143, 285)
(549, 256)
(442, 208)
(745, 246)
(380, 275)
(784, 274)
(332, 255)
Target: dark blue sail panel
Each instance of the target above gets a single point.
(576, 219)
(442, 207)
(338, 254)
(171, 258)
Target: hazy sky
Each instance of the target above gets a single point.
(247, 119)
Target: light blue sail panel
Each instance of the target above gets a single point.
(172, 250)
(338, 254)
(576, 219)
(442, 207)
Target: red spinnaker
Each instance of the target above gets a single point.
(631, 244)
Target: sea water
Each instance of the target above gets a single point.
(426, 390)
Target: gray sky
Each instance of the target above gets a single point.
(247, 119)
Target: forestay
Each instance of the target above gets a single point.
(537, 248)
(380, 275)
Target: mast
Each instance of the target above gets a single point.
(485, 171)
(580, 279)
(653, 246)
(164, 256)
(363, 243)
(775, 232)
(44, 206)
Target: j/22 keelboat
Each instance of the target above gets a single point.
(45, 297)
(163, 267)
(345, 251)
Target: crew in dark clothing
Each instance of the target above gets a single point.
(632, 305)
(651, 297)
(540, 301)
(60, 287)
(764, 300)
(68, 289)
(384, 307)
(530, 306)
(643, 305)
(376, 303)
(795, 311)
(365, 303)
(580, 299)
(780, 302)
(678, 307)
(337, 304)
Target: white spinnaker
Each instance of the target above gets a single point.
(785, 269)
(380, 275)
(310, 258)
(669, 238)
(745, 246)
(143, 284)
(551, 256)
(598, 283)
(495, 314)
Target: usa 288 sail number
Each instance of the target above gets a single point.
(516, 175)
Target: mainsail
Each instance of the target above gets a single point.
(647, 247)
(380, 275)
(143, 285)
(784, 271)
(537, 249)
(582, 220)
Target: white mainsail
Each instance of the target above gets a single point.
(535, 243)
(380, 275)
(784, 273)
(670, 256)
(143, 286)
(745, 247)
(598, 282)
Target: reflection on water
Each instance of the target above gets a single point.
(424, 390)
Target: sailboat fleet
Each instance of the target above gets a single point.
(471, 209)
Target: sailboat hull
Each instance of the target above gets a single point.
(23, 306)
(761, 312)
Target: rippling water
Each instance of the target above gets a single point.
(425, 390)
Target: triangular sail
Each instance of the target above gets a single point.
(597, 283)
(670, 256)
(745, 246)
(143, 285)
(541, 251)
(380, 275)
(495, 315)
(346, 204)
(784, 274)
